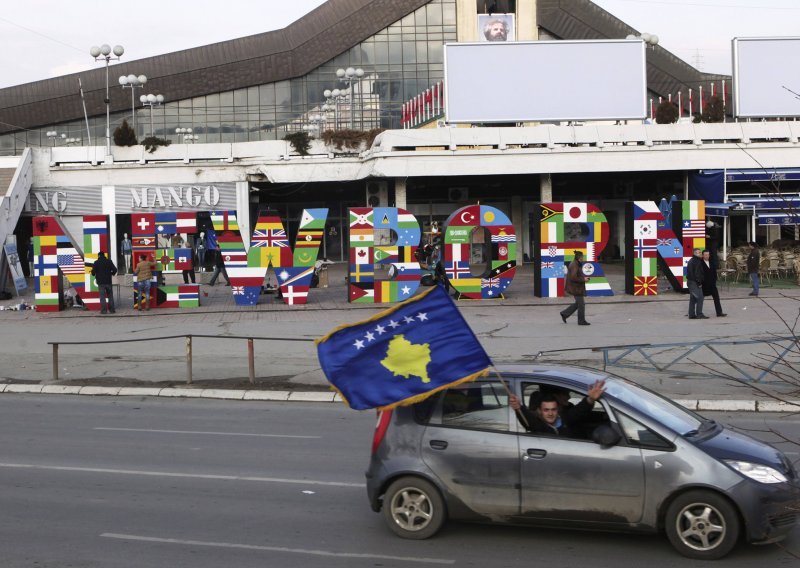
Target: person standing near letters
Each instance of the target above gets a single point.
(576, 285)
(144, 273)
(710, 282)
(103, 270)
(694, 281)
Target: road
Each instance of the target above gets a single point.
(126, 482)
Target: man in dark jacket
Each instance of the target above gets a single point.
(753, 265)
(569, 419)
(103, 270)
(576, 285)
(694, 281)
(710, 281)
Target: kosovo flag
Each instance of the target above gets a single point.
(404, 354)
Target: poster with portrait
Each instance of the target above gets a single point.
(496, 27)
(12, 256)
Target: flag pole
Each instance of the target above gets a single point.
(519, 414)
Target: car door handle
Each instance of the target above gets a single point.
(535, 454)
(438, 444)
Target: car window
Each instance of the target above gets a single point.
(482, 405)
(580, 425)
(668, 413)
(641, 436)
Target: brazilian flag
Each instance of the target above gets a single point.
(404, 354)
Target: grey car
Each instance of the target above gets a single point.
(635, 462)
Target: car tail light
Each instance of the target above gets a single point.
(384, 417)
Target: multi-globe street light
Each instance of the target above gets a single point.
(350, 76)
(133, 82)
(103, 53)
(333, 98)
(152, 100)
(54, 135)
(187, 135)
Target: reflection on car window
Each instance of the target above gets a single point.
(482, 405)
(640, 435)
(674, 417)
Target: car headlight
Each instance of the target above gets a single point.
(757, 471)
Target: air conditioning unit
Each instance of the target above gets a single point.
(377, 194)
(458, 194)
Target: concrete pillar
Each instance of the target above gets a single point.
(527, 22)
(400, 199)
(466, 20)
(520, 225)
(545, 188)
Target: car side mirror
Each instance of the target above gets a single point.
(606, 436)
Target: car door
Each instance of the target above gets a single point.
(470, 447)
(578, 480)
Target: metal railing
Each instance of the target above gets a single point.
(251, 367)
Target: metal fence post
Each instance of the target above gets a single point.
(55, 361)
(188, 359)
(251, 363)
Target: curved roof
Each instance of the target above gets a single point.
(331, 29)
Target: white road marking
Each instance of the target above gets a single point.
(278, 549)
(175, 474)
(205, 433)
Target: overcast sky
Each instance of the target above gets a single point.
(48, 38)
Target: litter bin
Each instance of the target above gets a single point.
(323, 277)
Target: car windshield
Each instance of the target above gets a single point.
(669, 414)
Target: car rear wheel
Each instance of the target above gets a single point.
(702, 524)
(413, 508)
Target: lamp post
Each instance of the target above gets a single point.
(151, 100)
(53, 135)
(350, 76)
(133, 82)
(187, 135)
(334, 97)
(71, 141)
(103, 53)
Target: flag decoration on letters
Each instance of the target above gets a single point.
(404, 354)
(166, 223)
(372, 247)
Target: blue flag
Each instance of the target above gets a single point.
(404, 354)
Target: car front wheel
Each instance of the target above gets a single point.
(413, 508)
(702, 524)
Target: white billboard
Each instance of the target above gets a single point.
(491, 82)
(766, 81)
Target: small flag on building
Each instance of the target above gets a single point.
(404, 354)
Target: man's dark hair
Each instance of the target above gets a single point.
(142, 257)
(549, 397)
(101, 254)
(753, 244)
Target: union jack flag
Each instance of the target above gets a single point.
(237, 290)
(548, 264)
(70, 263)
(664, 242)
(490, 283)
(270, 238)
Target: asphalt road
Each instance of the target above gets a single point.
(101, 482)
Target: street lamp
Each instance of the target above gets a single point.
(133, 82)
(333, 98)
(53, 135)
(152, 100)
(187, 134)
(71, 141)
(651, 40)
(350, 76)
(103, 53)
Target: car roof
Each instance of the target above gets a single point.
(580, 375)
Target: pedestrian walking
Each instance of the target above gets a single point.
(144, 273)
(103, 270)
(753, 264)
(219, 268)
(710, 281)
(694, 281)
(576, 285)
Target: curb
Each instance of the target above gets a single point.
(321, 396)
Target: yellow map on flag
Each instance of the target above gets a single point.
(406, 359)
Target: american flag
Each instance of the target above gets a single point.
(270, 238)
(70, 263)
(694, 228)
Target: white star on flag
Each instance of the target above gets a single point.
(409, 319)
(422, 316)
(380, 329)
(358, 344)
(369, 336)
(393, 324)
(406, 290)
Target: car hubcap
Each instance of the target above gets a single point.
(701, 526)
(411, 509)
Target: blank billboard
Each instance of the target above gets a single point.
(545, 81)
(766, 81)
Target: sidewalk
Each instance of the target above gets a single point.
(515, 329)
